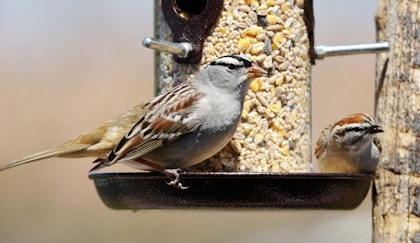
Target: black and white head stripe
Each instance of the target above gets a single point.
(238, 61)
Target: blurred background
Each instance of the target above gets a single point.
(68, 66)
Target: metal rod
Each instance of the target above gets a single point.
(182, 49)
(323, 51)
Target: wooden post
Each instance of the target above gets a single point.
(396, 194)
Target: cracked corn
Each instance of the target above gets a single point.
(274, 132)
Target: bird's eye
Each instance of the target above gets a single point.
(231, 67)
(356, 129)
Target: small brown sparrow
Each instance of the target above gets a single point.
(178, 129)
(349, 146)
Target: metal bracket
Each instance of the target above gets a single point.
(191, 22)
(182, 50)
(322, 51)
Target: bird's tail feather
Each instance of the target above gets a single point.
(55, 152)
(100, 163)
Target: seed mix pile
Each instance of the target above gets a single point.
(274, 132)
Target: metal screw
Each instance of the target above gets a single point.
(182, 49)
(323, 51)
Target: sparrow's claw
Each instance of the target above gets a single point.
(175, 177)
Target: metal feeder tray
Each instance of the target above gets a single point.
(232, 190)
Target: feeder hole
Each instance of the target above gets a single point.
(187, 8)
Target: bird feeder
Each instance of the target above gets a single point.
(267, 164)
(274, 132)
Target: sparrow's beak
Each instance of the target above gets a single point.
(254, 71)
(375, 129)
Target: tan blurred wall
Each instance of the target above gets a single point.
(67, 66)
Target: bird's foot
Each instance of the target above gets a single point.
(175, 178)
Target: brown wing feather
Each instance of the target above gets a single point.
(164, 122)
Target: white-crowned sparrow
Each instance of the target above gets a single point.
(178, 129)
(349, 145)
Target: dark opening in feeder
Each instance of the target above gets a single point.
(189, 9)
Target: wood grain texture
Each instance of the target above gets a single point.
(396, 194)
